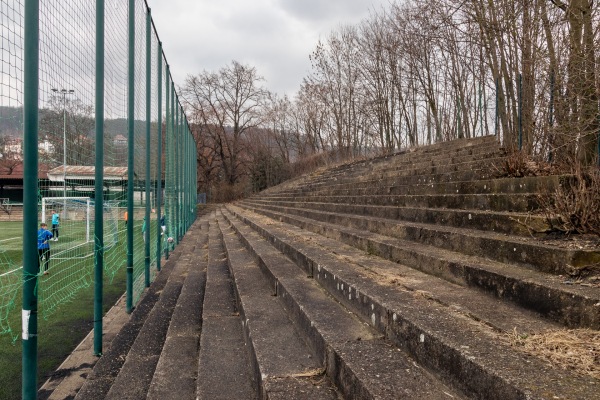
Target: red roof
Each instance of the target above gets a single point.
(86, 172)
(17, 172)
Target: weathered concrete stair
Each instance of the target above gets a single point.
(139, 329)
(358, 360)
(283, 364)
(224, 364)
(466, 227)
(406, 276)
(461, 335)
(355, 170)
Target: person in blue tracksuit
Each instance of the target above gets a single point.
(44, 236)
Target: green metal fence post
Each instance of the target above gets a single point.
(130, 151)
(187, 178)
(159, 199)
(192, 177)
(195, 185)
(30, 190)
(168, 112)
(99, 181)
(192, 194)
(192, 148)
(188, 174)
(177, 156)
(183, 182)
(179, 162)
(148, 118)
(173, 155)
(182, 174)
(186, 186)
(180, 165)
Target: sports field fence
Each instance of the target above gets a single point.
(92, 129)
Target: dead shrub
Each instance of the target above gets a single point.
(574, 207)
(518, 164)
(224, 192)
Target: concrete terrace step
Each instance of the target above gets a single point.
(284, 366)
(412, 165)
(397, 180)
(573, 306)
(108, 366)
(176, 371)
(224, 365)
(357, 359)
(493, 202)
(472, 147)
(404, 165)
(526, 185)
(135, 376)
(519, 224)
(455, 148)
(418, 154)
(442, 331)
(425, 173)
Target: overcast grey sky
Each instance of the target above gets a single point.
(275, 36)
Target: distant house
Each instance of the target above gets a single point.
(45, 146)
(11, 148)
(120, 140)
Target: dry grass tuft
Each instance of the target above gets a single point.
(309, 373)
(575, 206)
(518, 164)
(575, 349)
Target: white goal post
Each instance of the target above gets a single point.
(73, 208)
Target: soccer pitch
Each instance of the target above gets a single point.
(66, 294)
(66, 288)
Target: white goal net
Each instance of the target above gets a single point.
(74, 214)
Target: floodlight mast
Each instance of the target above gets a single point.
(64, 93)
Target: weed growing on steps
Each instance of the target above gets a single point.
(518, 164)
(574, 207)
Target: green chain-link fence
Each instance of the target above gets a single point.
(87, 105)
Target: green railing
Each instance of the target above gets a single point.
(90, 117)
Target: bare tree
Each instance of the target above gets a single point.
(74, 125)
(335, 74)
(226, 105)
(581, 84)
(11, 154)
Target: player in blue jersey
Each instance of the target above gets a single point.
(44, 236)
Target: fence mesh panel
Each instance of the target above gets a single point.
(67, 151)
